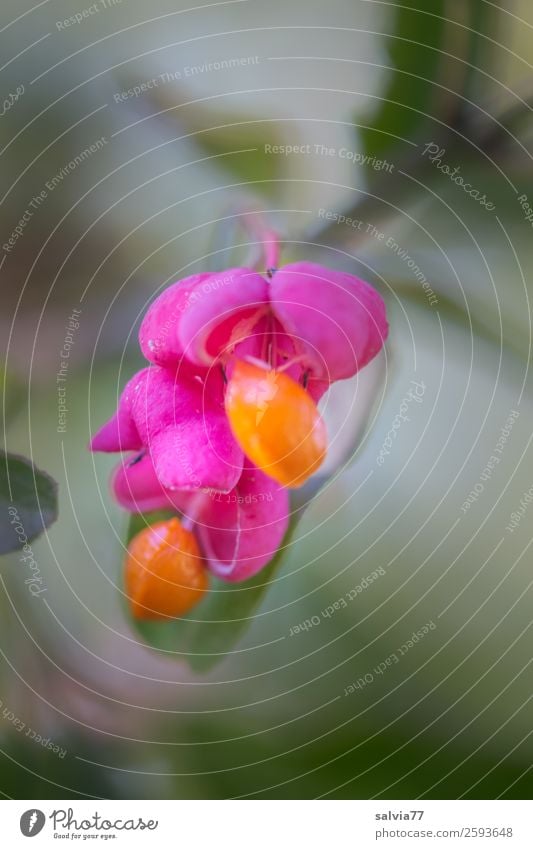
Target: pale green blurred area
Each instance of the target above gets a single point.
(272, 718)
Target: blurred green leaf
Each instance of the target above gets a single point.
(27, 497)
(238, 141)
(139, 521)
(412, 45)
(241, 151)
(250, 165)
(435, 57)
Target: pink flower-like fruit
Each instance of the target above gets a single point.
(224, 419)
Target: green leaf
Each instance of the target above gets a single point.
(205, 636)
(28, 502)
(435, 58)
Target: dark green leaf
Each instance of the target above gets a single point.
(413, 53)
(28, 502)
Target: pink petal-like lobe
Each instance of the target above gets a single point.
(241, 531)
(158, 336)
(223, 309)
(337, 321)
(182, 422)
(120, 432)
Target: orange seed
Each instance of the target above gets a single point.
(276, 423)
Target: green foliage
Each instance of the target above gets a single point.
(28, 499)
(435, 52)
(413, 51)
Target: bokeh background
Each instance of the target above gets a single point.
(159, 198)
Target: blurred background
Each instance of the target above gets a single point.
(131, 137)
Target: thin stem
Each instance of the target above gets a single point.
(271, 248)
(267, 237)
